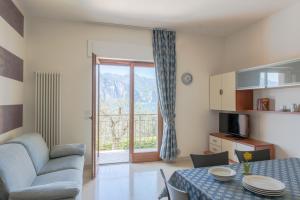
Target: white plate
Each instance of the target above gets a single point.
(264, 183)
(264, 193)
(260, 190)
(222, 173)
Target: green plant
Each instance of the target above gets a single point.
(246, 165)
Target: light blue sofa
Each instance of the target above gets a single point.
(29, 171)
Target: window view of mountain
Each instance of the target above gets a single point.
(115, 91)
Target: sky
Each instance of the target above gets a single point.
(124, 70)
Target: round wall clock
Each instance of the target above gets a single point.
(187, 78)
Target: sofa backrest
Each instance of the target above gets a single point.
(16, 169)
(36, 147)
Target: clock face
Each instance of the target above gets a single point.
(187, 78)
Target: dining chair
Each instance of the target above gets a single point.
(177, 194)
(165, 182)
(258, 155)
(172, 192)
(210, 159)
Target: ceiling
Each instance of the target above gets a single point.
(216, 17)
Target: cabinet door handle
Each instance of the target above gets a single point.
(221, 92)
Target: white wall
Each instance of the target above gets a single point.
(62, 47)
(275, 38)
(199, 56)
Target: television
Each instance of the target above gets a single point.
(234, 124)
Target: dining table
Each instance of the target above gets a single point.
(200, 185)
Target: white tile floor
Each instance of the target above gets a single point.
(129, 181)
(113, 156)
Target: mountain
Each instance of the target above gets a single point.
(115, 92)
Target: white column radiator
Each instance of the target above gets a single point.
(48, 106)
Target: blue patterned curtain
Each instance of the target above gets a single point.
(164, 54)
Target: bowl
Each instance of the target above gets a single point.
(222, 173)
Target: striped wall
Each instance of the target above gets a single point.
(12, 54)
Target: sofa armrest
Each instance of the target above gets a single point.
(52, 191)
(67, 150)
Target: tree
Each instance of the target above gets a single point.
(115, 133)
(118, 125)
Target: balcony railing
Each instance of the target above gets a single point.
(113, 132)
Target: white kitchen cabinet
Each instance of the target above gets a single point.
(280, 74)
(229, 92)
(215, 140)
(223, 92)
(220, 142)
(214, 148)
(214, 94)
(243, 147)
(215, 144)
(229, 146)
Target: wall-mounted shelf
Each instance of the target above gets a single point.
(268, 111)
(275, 75)
(239, 91)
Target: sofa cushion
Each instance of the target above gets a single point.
(68, 162)
(16, 169)
(36, 147)
(67, 150)
(58, 190)
(70, 175)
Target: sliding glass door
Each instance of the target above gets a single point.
(113, 113)
(130, 124)
(146, 127)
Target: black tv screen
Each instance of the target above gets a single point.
(234, 124)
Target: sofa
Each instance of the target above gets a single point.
(30, 171)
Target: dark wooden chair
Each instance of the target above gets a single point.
(258, 155)
(210, 159)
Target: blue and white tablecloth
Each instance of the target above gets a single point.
(201, 186)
